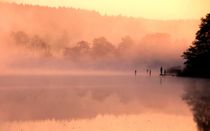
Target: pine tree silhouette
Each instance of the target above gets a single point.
(197, 56)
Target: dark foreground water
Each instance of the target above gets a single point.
(97, 103)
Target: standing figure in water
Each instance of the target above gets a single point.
(135, 72)
(150, 72)
(161, 70)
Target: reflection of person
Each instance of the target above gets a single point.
(161, 80)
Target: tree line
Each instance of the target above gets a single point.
(99, 49)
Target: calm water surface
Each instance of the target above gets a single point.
(111, 103)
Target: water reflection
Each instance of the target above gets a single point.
(51, 103)
(197, 97)
(61, 97)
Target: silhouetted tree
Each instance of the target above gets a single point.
(83, 47)
(34, 43)
(102, 47)
(38, 45)
(197, 56)
(21, 38)
(79, 50)
(125, 45)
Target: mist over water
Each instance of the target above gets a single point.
(63, 99)
(72, 97)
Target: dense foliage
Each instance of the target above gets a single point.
(197, 56)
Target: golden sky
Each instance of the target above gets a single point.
(152, 9)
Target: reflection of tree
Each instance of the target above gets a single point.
(198, 98)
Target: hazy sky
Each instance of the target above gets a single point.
(153, 9)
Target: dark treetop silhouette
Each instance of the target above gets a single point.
(197, 56)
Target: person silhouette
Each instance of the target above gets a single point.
(161, 70)
(135, 72)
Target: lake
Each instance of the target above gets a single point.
(103, 103)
